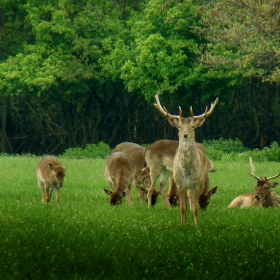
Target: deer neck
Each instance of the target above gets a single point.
(187, 153)
(268, 201)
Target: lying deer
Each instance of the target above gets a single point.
(50, 175)
(159, 157)
(263, 197)
(141, 176)
(119, 170)
(191, 165)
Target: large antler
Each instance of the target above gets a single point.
(207, 113)
(252, 173)
(164, 111)
(272, 177)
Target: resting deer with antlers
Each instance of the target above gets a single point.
(190, 166)
(159, 157)
(263, 197)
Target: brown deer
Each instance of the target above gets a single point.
(245, 201)
(119, 170)
(205, 197)
(141, 176)
(172, 194)
(191, 165)
(50, 175)
(159, 157)
(263, 197)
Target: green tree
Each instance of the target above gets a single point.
(240, 48)
(242, 39)
(159, 50)
(60, 94)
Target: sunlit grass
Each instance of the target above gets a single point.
(86, 238)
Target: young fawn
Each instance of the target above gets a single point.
(50, 175)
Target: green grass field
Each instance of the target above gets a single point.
(86, 238)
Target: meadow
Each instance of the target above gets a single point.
(86, 238)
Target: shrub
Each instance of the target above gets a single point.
(225, 145)
(233, 150)
(218, 149)
(271, 153)
(100, 150)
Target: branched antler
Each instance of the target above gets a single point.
(207, 113)
(252, 173)
(164, 111)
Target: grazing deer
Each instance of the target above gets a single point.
(50, 175)
(119, 170)
(190, 165)
(159, 157)
(141, 176)
(205, 197)
(263, 197)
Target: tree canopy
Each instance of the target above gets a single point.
(79, 72)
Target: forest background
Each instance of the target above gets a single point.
(78, 72)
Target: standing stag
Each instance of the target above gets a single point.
(141, 176)
(191, 165)
(119, 169)
(159, 157)
(263, 197)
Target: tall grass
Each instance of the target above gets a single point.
(86, 238)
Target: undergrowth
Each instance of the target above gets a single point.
(222, 149)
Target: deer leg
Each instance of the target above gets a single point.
(129, 195)
(43, 190)
(183, 205)
(149, 195)
(140, 192)
(193, 200)
(50, 194)
(154, 176)
(163, 182)
(47, 192)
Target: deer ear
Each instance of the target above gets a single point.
(273, 185)
(173, 121)
(52, 167)
(214, 190)
(199, 122)
(108, 192)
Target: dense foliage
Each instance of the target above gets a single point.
(74, 73)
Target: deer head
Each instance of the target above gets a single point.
(59, 173)
(186, 126)
(263, 186)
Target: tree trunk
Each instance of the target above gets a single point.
(5, 145)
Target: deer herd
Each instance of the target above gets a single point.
(184, 164)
